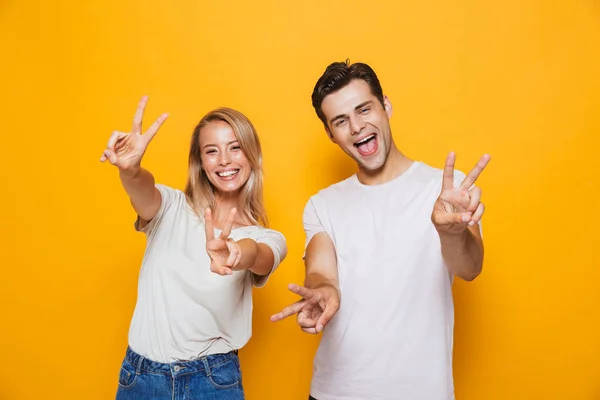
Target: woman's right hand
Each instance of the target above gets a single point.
(224, 253)
(125, 150)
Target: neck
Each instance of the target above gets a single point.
(224, 202)
(395, 165)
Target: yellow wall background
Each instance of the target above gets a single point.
(517, 78)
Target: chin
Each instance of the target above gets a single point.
(228, 189)
(371, 164)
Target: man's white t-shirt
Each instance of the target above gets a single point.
(185, 311)
(392, 337)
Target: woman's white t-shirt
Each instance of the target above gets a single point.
(185, 311)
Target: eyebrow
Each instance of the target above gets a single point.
(214, 145)
(358, 107)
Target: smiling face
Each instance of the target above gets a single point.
(358, 123)
(223, 160)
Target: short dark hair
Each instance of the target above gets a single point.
(339, 74)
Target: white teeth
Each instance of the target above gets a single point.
(227, 173)
(365, 139)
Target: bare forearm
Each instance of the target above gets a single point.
(463, 253)
(321, 263)
(257, 257)
(139, 185)
(315, 280)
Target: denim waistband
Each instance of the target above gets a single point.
(202, 364)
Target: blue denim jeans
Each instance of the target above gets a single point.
(214, 377)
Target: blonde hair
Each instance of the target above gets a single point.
(200, 192)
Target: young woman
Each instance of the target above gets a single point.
(206, 248)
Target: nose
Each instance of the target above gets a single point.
(357, 124)
(224, 159)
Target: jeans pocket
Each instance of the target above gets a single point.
(225, 375)
(127, 375)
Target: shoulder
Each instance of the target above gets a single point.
(170, 195)
(172, 200)
(427, 174)
(168, 190)
(335, 190)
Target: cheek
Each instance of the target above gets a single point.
(207, 162)
(339, 136)
(381, 122)
(346, 141)
(241, 159)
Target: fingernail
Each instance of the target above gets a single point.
(471, 223)
(465, 218)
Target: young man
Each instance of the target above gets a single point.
(382, 248)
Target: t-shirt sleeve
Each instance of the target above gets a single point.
(167, 198)
(311, 221)
(277, 243)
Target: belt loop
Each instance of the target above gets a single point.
(138, 367)
(206, 365)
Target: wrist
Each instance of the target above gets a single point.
(317, 281)
(454, 238)
(248, 249)
(130, 172)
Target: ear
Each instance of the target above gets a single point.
(387, 104)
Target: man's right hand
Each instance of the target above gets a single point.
(315, 310)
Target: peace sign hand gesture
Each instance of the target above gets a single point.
(125, 150)
(225, 254)
(314, 310)
(458, 208)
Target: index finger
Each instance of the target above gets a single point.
(288, 311)
(228, 224)
(474, 174)
(155, 127)
(448, 180)
(139, 115)
(208, 226)
(306, 293)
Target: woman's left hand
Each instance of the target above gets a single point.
(225, 254)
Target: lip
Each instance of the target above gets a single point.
(363, 137)
(236, 172)
(373, 151)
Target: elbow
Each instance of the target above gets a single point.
(470, 275)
